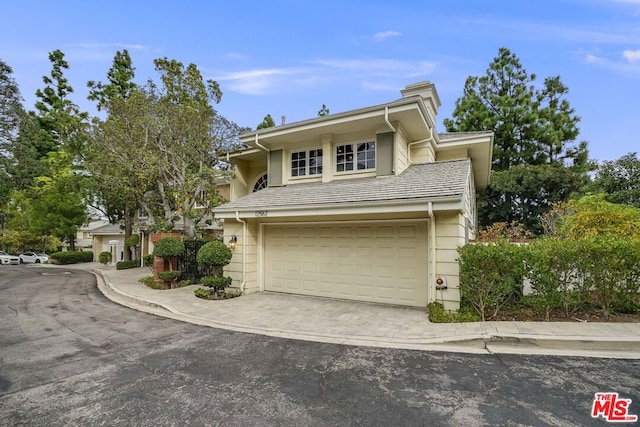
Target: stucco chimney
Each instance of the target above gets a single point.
(428, 92)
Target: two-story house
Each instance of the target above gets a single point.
(368, 205)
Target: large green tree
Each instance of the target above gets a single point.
(61, 140)
(119, 180)
(267, 122)
(620, 180)
(534, 127)
(10, 113)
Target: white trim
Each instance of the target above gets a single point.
(382, 207)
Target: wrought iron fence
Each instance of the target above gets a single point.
(188, 262)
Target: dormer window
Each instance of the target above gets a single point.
(364, 158)
(308, 162)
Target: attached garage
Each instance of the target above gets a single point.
(382, 262)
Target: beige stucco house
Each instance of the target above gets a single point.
(368, 205)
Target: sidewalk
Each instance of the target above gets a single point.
(357, 323)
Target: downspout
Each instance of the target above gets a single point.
(430, 139)
(260, 145)
(386, 119)
(244, 251)
(432, 238)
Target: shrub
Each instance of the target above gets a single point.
(148, 260)
(183, 283)
(169, 276)
(150, 282)
(168, 247)
(203, 293)
(553, 271)
(610, 270)
(72, 257)
(133, 240)
(437, 314)
(214, 254)
(217, 283)
(490, 275)
(123, 265)
(104, 257)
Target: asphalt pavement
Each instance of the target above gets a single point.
(364, 324)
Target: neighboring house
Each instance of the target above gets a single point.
(109, 238)
(368, 205)
(84, 241)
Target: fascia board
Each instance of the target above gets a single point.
(416, 205)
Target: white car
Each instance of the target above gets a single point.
(5, 258)
(33, 257)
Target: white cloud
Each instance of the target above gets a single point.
(593, 59)
(383, 35)
(259, 81)
(632, 55)
(380, 67)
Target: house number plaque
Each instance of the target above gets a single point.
(261, 213)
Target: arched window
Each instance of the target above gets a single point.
(261, 183)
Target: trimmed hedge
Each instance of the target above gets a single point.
(597, 272)
(217, 283)
(124, 265)
(72, 257)
(168, 247)
(104, 257)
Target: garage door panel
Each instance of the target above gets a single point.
(377, 262)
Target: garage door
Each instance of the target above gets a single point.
(382, 262)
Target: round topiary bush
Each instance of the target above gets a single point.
(217, 283)
(168, 247)
(104, 257)
(214, 254)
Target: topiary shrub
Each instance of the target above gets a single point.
(104, 257)
(168, 247)
(215, 255)
(169, 277)
(217, 283)
(150, 282)
(123, 265)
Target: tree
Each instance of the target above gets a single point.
(61, 140)
(535, 159)
(620, 180)
(187, 135)
(324, 111)
(267, 122)
(10, 113)
(119, 179)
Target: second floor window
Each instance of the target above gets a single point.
(305, 163)
(360, 156)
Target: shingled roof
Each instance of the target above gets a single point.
(447, 179)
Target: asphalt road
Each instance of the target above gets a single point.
(69, 356)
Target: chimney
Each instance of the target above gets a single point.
(427, 91)
(284, 120)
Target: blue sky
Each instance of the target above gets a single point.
(289, 57)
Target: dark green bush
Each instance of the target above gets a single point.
(150, 282)
(214, 254)
(104, 257)
(123, 265)
(217, 283)
(72, 257)
(168, 247)
(148, 260)
(169, 276)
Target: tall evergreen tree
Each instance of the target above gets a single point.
(267, 122)
(536, 160)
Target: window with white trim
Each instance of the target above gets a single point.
(308, 162)
(358, 156)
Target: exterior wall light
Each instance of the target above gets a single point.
(232, 242)
(441, 282)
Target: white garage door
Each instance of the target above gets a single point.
(382, 262)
